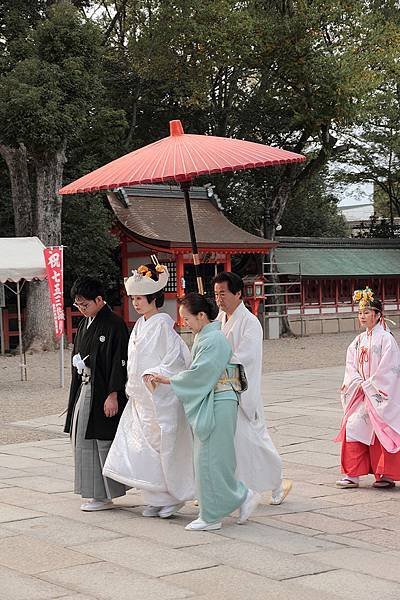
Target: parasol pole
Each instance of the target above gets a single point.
(185, 186)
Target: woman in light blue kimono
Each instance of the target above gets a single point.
(207, 392)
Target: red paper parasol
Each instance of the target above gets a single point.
(181, 157)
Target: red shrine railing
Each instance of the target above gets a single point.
(10, 325)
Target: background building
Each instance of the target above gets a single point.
(324, 273)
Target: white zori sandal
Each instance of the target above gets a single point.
(347, 483)
(278, 496)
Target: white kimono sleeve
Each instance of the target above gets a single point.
(248, 352)
(352, 378)
(176, 357)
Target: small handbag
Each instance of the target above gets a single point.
(243, 378)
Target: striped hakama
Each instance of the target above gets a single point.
(90, 454)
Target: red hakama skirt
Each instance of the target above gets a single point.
(359, 459)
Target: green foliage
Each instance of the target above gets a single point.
(381, 202)
(90, 248)
(299, 74)
(100, 141)
(374, 147)
(374, 154)
(291, 73)
(45, 98)
(377, 227)
(52, 96)
(7, 228)
(312, 212)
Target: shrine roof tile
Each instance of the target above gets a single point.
(159, 216)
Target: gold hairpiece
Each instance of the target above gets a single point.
(145, 271)
(364, 297)
(159, 268)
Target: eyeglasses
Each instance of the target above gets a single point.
(82, 305)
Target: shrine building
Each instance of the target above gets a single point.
(324, 272)
(151, 219)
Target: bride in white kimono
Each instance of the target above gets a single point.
(152, 449)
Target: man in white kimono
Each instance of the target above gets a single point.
(259, 465)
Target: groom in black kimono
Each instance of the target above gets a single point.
(97, 394)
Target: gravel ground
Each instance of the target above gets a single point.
(23, 400)
(42, 395)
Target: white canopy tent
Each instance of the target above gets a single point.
(21, 259)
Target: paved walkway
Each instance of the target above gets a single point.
(321, 544)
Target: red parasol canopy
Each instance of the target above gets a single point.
(180, 157)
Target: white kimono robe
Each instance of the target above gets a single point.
(153, 447)
(259, 465)
(370, 392)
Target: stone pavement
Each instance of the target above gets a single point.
(321, 544)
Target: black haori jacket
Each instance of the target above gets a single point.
(106, 343)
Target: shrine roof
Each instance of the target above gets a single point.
(156, 214)
(338, 257)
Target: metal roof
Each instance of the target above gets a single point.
(347, 242)
(344, 257)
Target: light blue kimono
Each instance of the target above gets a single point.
(212, 415)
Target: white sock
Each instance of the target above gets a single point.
(353, 479)
(277, 490)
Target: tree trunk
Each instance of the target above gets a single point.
(17, 164)
(49, 171)
(278, 299)
(272, 215)
(39, 325)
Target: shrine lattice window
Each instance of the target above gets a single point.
(171, 285)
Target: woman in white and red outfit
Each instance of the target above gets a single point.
(370, 431)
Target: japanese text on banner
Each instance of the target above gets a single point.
(54, 266)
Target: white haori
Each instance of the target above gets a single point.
(259, 465)
(153, 447)
(372, 366)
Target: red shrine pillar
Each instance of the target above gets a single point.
(228, 262)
